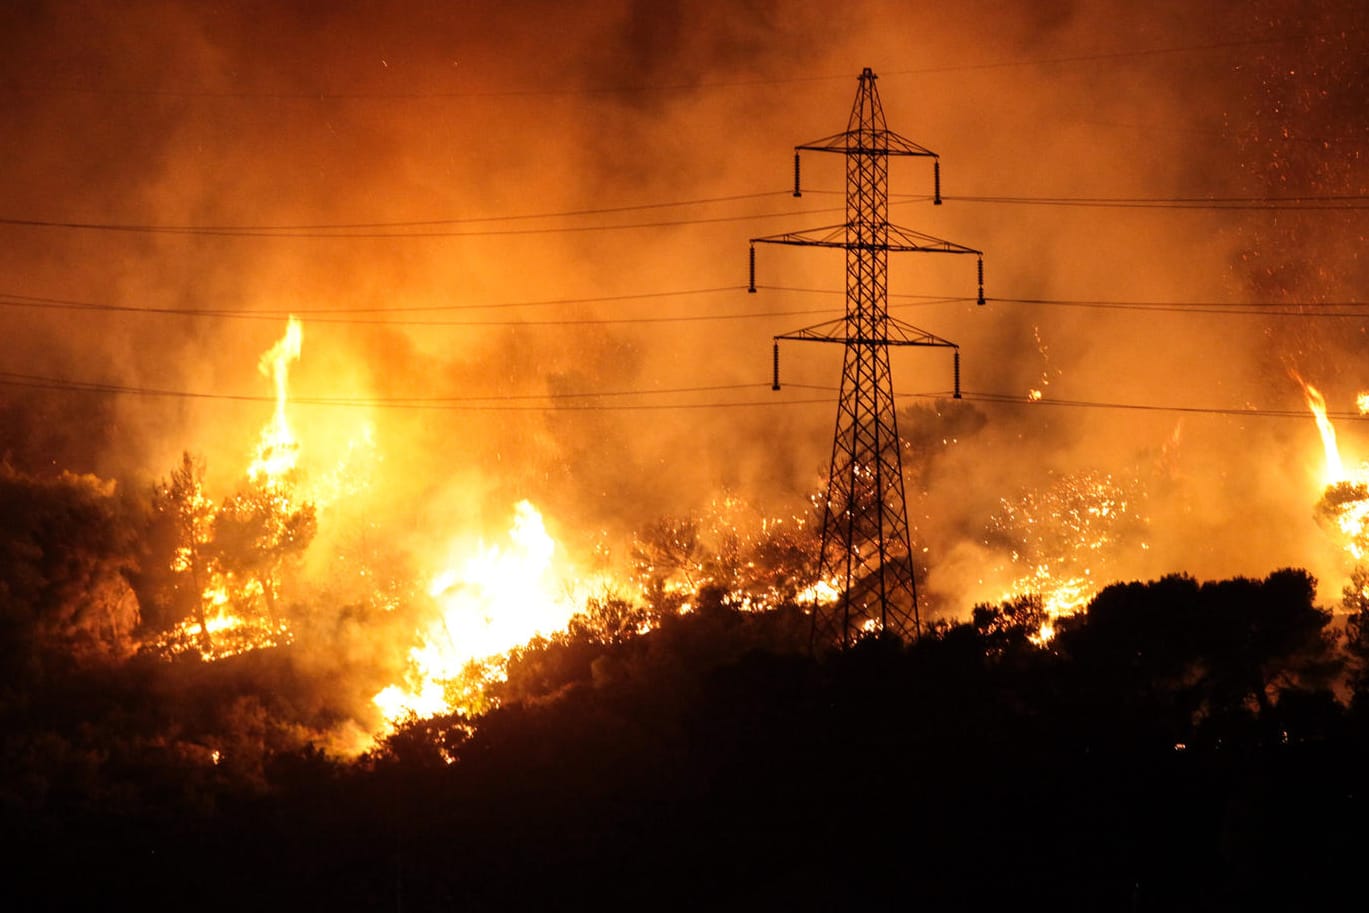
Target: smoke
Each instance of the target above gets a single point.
(302, 114)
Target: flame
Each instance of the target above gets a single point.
(1345, 497)
(823, 591)
(278, 450)
(1334, 470)
(1362, 402)
(493, 601)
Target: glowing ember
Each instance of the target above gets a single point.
(752, 562)
(493, 601)
(1064, 538)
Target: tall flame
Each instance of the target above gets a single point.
(1334, 469)
(1345, 499)
(278, 450)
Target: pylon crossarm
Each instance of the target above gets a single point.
(905, 239)
(900, 240)
(827, 331)
(866, 142)
(826, 236)
(897, 333)
(927, 341)
(905, 334)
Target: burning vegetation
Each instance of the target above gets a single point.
(238, 577)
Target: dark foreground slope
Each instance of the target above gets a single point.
(1177, 748)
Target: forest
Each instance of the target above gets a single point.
(1178, 745)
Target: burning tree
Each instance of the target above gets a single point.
(229, 559)
(257, 532)
(756, 562)
(182, 501)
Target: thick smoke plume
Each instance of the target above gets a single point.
(312, 126)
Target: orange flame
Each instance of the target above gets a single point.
(1334, 470)
(278, 451)
(493, 601)
(1345, 500)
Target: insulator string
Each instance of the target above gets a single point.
(797, 191)
(751, 287)
(775, 381)
(936, 180)
(957, 374)
(981, 280)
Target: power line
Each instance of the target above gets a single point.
(1252, 308)
(14, 300)
(624, 88)
(432, 228)
(499, 403)
(343, 316)
(419, 223)
(527, 402)
(347, 234)
(1320, 203)
(325, 316)
(1016, 400)
(1129, 53)
(1013, 399)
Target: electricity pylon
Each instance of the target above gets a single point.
(866, 551)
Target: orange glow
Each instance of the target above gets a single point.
(488, 603)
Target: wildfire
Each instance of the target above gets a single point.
(1344, 503)
(489, 603)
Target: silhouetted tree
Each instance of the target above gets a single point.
(181, 499)
(66, 550)
(610, 619)
(1355, 601)
(1263, 637)
(257, 533)
(1009, 626)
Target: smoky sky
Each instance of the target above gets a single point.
(360, 114)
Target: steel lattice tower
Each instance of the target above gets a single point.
(866, 550)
